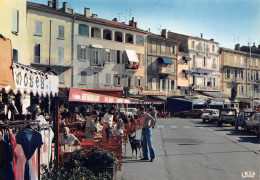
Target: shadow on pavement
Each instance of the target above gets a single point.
(249, 139)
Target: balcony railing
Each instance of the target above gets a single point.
(167, 70)
(97, 64)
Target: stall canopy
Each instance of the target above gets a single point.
(31, 80)
(80, 95)
(6, 73)
(131, 54)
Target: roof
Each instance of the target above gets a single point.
(194, 37)
(237, 51)
(78, 16)
(159, 37)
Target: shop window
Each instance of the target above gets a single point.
(129, 38)
(118, 37)
(95, 32)
(83, 30)
(107, 34)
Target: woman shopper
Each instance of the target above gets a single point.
(107, 122)
(147, 121)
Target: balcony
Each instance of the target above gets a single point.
(237, 79)
(167, 70)
(97, 64)
(131, 67)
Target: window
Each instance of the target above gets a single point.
(83, 79)
(242, 74)
(153, 46)
(15, 55)
(129, 38)
(139, 40)
(207, 48)
(117, 80)
(107, 56)
(95, 56)
(37, 53)
(61, 76)
(227, 59)
(38, 28)
(214, 65)
(251, 62)
(107, 34)
(129, 79)
(61, 55)
(174, 49)
(95, 32)
(15, 20)
(138, 82)
(162, 48)
(256, 76)
(194, 61)
(192, 44)
(61, 32)
(256, 62)
(241, 61)
(118, 37)
(213, 48)
(204, 47)
(118, 57)
(83, 30)
(204, 61)
(227, 73)
(81, 52)
(154, 81)
(235, 60)
(108, 79)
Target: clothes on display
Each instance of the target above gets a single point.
(29, 142)
(7, 163)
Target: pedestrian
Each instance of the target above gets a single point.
(90, 125)
(107, 122)
(147, 121)
(154, 115)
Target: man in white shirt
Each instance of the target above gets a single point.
(67, 138)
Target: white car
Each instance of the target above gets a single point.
(210, 114)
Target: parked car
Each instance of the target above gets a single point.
(210, 114)
(227, 116)
(257, 127)
(243, 115)
(194, 113)
(252, 122)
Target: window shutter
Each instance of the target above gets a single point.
(92, 56)
(170, 85)
(88, 53)
(115, 79)
(79, 52)
(123, 56)
(161, 81)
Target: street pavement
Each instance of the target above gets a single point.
(187, 149)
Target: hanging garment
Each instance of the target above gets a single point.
(6, 156)
(29, 147)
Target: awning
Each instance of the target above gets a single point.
(187, 58)
(217, 94)
(186, 71)
(131, 54)
(31, 80)
(166, 60)
(79, 95)
(6, 72)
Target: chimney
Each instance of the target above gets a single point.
(133, 23)
(115, 19)
(64, 6)
(86, 12)
(253, 48)
(55, 4)
(164, 33)
(94, 15)
(237, 47)
(49, 4)
(201, 35)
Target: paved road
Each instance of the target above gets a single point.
(187, 149)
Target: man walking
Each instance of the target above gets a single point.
(147, 121)
(154, 115)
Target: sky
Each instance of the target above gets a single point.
(226, 21)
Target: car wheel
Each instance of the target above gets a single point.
(219, 123)
(245, 128)
(236, 127)
(182, 116)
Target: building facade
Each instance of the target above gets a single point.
(161, 64)
(204, 63)
(108, 54)
(13, 20)
(50, 32)
(240, 71)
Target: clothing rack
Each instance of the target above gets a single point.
(18, 123)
